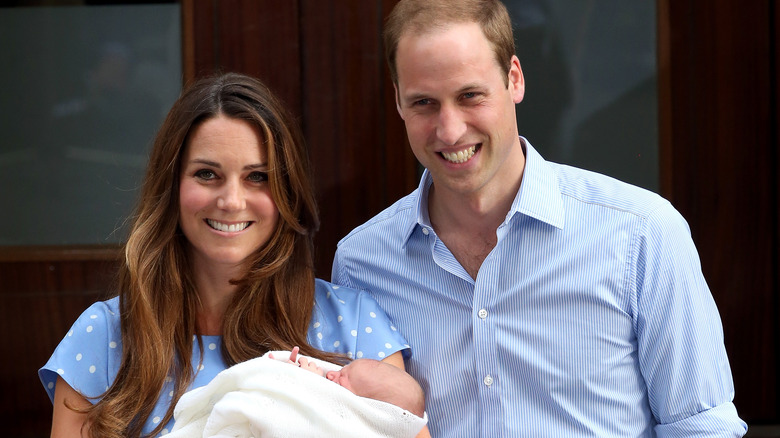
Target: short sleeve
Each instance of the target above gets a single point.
(351, 322)
(87, 356)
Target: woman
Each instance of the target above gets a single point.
(218, 270)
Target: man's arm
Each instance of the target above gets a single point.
(680, 336)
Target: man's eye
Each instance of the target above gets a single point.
(205, 174)
(258, 177)
(421, 102)
(469, 95)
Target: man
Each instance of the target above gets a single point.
(539, 299)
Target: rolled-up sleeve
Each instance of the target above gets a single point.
(679, 331)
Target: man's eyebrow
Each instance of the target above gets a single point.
(468, 87)
(415, 96)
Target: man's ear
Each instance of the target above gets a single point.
(397, 100)
(516, 80)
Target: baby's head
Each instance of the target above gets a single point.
(381, 381)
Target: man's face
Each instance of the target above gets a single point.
(458, 109)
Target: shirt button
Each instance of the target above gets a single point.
(425, 231)
(487, 380)
(482, 313)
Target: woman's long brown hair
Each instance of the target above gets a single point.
(158, 302)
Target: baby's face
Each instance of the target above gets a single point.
(352, 373)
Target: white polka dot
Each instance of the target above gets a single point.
(92, 316)
(349, 354)
(164, 432)
(112, 344)
(89, 329)
(156, 420)
(388, 345)
(369, 330)
(319, 336)
(170, 394)
(50, 385)
(392, 327)
(342, 302)
(78, 357)
(316, 324)
(70, 333)
(336, 344)
(327, 295)
(169, 379)
(60, 371)
(92, 369)
(212, 346)
(201, 367)
(353, 333)
(372, 314)
(381, 354)
(340, 318)
(359, 354)
(335, 287)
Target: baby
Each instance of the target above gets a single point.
(372, 379)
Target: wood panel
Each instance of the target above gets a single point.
(255, 37)
(719, 157)
(361, 165)
(39, 300)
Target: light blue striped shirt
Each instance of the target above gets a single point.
(590, 317)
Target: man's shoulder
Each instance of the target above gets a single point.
(585, 186)
(392, 221)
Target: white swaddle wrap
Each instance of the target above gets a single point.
(266, 397)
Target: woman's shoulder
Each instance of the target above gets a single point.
(88, 356)
(350, 321)
(330, 296)
(327, 291)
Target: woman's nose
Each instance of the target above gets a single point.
(232, 197)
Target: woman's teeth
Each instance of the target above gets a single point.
(460, 156)
(219, 226)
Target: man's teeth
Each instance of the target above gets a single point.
(460, 156)
(219, 226)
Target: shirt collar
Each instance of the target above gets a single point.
(539, 196)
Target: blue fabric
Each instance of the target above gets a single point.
(590, 317)
(344, 321)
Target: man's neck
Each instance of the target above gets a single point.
(467, 223)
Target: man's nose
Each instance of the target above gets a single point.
(451, 125)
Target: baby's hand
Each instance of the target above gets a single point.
(311, 366)
(293, 356)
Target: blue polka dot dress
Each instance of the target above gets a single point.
(344, 321)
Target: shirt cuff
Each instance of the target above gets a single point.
(720, 421)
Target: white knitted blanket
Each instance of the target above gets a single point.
(264, 397)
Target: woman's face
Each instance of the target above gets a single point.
(225, 206)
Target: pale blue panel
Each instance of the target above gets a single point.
(84, 90)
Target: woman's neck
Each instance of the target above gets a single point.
(212, 283)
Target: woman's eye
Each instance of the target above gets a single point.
(205, 174)
(258, 177)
